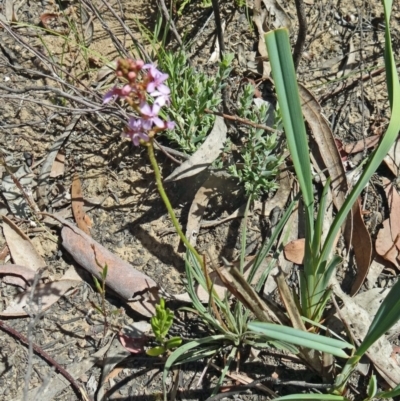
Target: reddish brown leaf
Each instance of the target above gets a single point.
(294, 251)
(362, 246)
(123, 278)
(361, 145)
(384, 244)
(58, 166)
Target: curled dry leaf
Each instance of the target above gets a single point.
(123, 278)
(21, 248)
(44, 296)
(204, 155)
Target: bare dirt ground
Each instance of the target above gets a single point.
(44, 107)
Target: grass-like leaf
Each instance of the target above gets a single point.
(301, 338)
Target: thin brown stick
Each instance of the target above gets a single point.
(79, 390)
(301, 36)
(241, 120)
(170, 21)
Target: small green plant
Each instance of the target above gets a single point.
(191, 93)
(101, 289)
(161, 322)
(259, 163)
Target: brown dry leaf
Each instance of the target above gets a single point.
(392, 159)
(44, 296)
(59, 165)
(17, 275)
(326, 146)
(361, 145)
(204, 155)
(198, 207)
(362, 246)
(384, 244)
(294, 251)
(21, 248)
(77, 204)
(311, 356)
(388, 240)
(123, 278)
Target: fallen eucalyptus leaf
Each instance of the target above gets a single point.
(204, 155)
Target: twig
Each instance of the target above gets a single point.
(301, 36)
(79, 390)
(241, 120)
(354, 83)
(168, 152)
(170, 21)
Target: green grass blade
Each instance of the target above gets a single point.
(284, 75)
(178, 353)
(301, 338)
(311, 397)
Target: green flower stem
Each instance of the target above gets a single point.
(160, 187)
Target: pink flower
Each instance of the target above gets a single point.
(150, 113)
(137, 128)
(169, 125)
(156, 87)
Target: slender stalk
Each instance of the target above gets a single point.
(161, 190)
